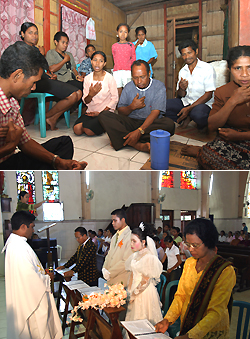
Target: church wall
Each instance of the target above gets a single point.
(223, 203)
(114, 189)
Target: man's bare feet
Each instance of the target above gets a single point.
(190, 150)
(83, 164)
(143, 147)
(185, 122)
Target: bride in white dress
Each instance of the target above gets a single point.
(146, 268)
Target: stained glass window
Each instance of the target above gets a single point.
(167, 179)
(26, 182)
(50, 186)
(188, 180)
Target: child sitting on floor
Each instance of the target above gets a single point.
(99, 94)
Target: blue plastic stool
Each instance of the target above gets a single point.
(80, 105)
(160, 286)
(41, 111)
(175, 328)
(242, 326)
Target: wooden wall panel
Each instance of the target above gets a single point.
(212, 30)
(214, 47)
(154, 23)
(39, 3)
(173, 11)
(106, 17)
(39, 23)
(54, 7)
(53, 29)
(234, 24)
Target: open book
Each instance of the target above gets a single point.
(143, 329)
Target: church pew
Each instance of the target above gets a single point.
(242, 263)
(225, 247)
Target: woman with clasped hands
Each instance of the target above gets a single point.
(204, 289)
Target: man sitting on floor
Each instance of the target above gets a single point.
(141, 108)
(21, 66)
(194, 89)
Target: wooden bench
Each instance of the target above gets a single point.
(225, 247)
(242, 263)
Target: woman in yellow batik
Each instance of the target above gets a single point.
(204, 289)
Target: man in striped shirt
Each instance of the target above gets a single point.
(21, 66)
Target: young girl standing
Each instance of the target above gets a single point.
(99, 94)
(174, 260)
(123, 55)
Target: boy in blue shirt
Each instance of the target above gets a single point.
(86, 67)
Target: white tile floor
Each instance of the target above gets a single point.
(97, 150)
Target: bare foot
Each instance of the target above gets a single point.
(143, 147)
(190, 150)
(52, 123)
(83, 164)
(48, 127)
(185, 123)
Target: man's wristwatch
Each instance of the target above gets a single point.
(54, 161)
(141, 130)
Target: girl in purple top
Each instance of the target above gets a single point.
(123, 55)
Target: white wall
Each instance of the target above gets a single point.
(113, 189)
(223, 202)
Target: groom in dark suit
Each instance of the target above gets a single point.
(84, 258)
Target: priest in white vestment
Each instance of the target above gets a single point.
(30, 306)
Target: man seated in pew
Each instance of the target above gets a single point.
(93, 237)
(246, 241)
(21, 66)
(236, 240)
(84, 259)
(222, 237)
(141, 109)
(195, 88)
(229, 237)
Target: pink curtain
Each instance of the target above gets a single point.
(74, 24)
(12, 14)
